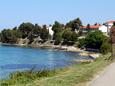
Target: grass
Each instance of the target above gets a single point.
(71, 76)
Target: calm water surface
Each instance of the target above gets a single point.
(18, 59)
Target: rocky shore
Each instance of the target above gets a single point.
(92, 55)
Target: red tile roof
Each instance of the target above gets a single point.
(110, 21)
(92, 27)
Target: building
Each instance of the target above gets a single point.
(51, 32)
(89, 28)
(105, 28)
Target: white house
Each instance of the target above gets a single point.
(51, 32)
(105, 28)
(109, 23)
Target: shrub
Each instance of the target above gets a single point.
(58, 38)
(69, 37)
(95, 39)
(81, 43)
(105, 47)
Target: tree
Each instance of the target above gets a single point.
(80, 33)
(9, 36)
(69, 37)
(88, 27)
(66, 36)
(81, 43)
(94, 39)
(36, 30)
(26, 29)
(58, 38)
(57, 27)
(105, 47)
(75, 24)
(58, 30)
(44, 34)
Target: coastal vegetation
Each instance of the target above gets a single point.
(68, 34)
(96, 40)
(30, 31)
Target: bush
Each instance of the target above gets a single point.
(58, 38)
(4, 84)
(105, 48)
(81, 43)
(27, 76)
(95, 39)
(69, 37)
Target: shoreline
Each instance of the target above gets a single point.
(92, 55)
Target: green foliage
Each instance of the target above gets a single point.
(57, 27)
(9, 36)
(81, 43)
(75, 24)
(31, 31)
(57, 37)
(4, 84)
(58, 30)
(28, 76)
(80, 33)
(31, 38)
(74, 37)
(36, 30)
(105, 48)
(25, 29)
(44, 34)
(69, 37)
(95, 39)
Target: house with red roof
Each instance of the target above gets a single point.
(90, 28)
(105, 28)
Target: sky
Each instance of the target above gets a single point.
(15, 12)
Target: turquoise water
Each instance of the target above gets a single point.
(18, 59)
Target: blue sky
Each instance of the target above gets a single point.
(14, 12)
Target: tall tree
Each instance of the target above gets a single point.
(69, 37)
(95, 39)
(74, 24)
(9, 36)
(44, 34)
(58, 29)
(26, 29)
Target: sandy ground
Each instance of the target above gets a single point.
(107, 78)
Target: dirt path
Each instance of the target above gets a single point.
(107, 78)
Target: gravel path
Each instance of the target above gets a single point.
(107, 78)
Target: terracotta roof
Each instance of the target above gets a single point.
(92, 26)
(110, 21)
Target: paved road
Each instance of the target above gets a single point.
(107, 78)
